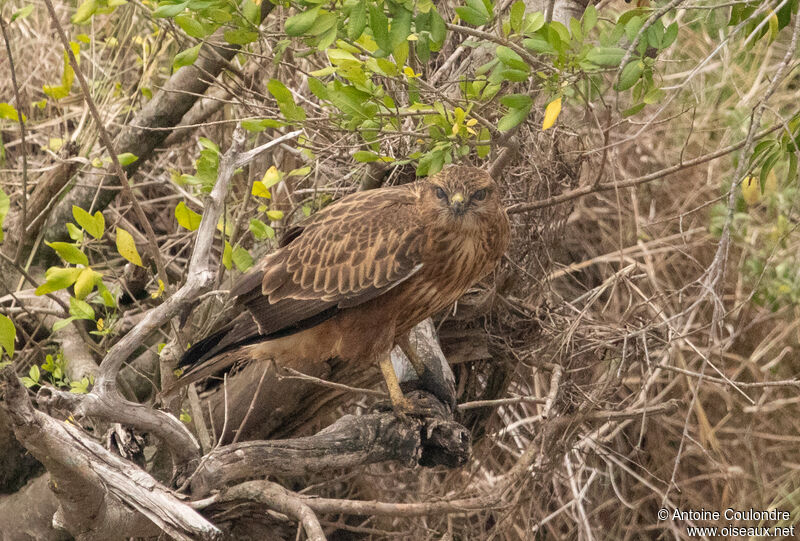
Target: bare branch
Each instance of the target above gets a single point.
(92, 482)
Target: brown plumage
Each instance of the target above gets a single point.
(358, 275)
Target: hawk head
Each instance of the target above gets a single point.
(461, 195)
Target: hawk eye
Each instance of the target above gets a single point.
(440, 193)
(480, 195)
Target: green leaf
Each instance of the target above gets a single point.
(511, 59)
(187, 218)
(69, 252)
(126, 247)
(208, 144)
(769, 163)
(80, 309)
(242, 259)
(517, 101)
(285, 101)
(357, 21)
(58, 278)
(8, 334)
(654, 95)
(85, 12)
(633, 110)
(94, 225)
(605, 56)
(513, 117)
(191, 26)
(589, 18)
(318, 88)
(61, 323)
(365, 156)
(252, 11)
(669, 35)
(9, 112)
(240, 36)
(481, 7)
(469, 15)
(379, 24)
(517, 15)
(539, 44)
(261, 230)
(401, 28)
(298, 24)
(169, 10)
(126, 158)
(516, 76)
(227, 256)
(533, 22)
(21, 13)
(275, 215)
(34, 373)
(438, 30)
(186, 58)
(630, 75)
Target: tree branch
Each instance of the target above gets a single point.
(104, 496)
(350, 441)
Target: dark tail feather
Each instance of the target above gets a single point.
(201, 349)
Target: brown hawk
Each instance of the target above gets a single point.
(353, 279)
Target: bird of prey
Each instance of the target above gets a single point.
(357, 276)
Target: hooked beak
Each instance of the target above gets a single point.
(457, 204)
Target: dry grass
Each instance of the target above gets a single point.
(601, 310)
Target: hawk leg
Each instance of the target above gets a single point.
(401, 404)
(411, 353)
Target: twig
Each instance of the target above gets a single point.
(627, 183)
(500, 402)
(720, 381)
(555, 380)
(278, 499)
(331, 384)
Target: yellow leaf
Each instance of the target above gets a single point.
(751, 191)
(410, 72)
(551, 113)
(85, 283)
(126, 247)
(773, 26)
(55, 143)
(271, 177)
(100, 324)
(471, 122)
(187, 218)
(455, 129)
(259, 190)
(157, 294)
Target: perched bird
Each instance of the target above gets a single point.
(352, 280)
